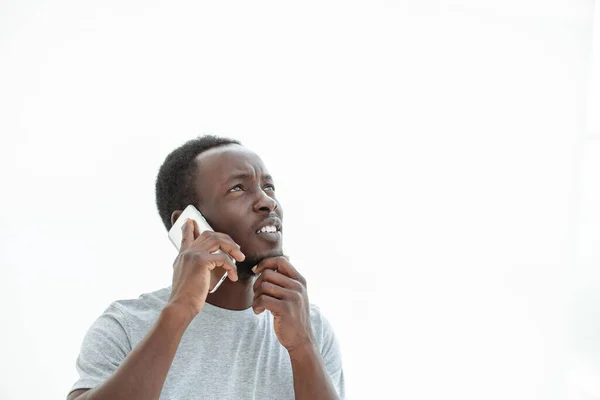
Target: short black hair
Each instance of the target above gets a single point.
(175, 183)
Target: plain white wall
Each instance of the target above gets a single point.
(584, 301)
(427, 155)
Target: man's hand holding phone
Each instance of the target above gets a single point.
(192, 277)
(282, 290)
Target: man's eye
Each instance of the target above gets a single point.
(233, 189)
(270, 186)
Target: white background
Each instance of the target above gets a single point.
(437, 162)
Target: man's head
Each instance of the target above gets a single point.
(231, 187)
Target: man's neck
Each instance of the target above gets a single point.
(233, 295)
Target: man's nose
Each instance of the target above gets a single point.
(265, 203)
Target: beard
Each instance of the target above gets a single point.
(244, 268)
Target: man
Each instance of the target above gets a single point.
(256, 337)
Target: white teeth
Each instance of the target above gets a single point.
(269, 229)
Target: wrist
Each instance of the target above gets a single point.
(304, 350)
(179, 311)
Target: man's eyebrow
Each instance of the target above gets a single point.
(244, 175)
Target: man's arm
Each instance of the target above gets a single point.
(311, 380)
(144, 370)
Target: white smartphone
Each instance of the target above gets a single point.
(176, 234)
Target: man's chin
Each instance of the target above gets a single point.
(244, 268)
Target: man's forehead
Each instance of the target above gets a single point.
(224, 161)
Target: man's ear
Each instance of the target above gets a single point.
(175, 215)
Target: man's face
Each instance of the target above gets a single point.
(237, 197)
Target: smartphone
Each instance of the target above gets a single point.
(176, 234)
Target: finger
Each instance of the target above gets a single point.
(281, 265)
(196, 229)
(273, 290)
(276, 278)
(215, 241)
(266, 302)
(234, 249)
(187, 237)
(223, 261)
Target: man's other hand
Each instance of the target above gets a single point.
(282, 290)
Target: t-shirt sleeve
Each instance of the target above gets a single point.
(331, 353)
(104, 347)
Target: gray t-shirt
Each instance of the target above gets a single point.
(224, 354)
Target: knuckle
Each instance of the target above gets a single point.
(211, 240)
(298, 297)
(225, 241)
(302, 281)
(223, 236)
(206, 234)
(227, 263)
(188, 256)
(217, 258)
(298, 287)
(216, 236)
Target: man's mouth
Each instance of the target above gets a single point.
(270, 233)
(268, 229)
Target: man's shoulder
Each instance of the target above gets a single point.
(146, 305)
(315, 310)
(319, 321)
